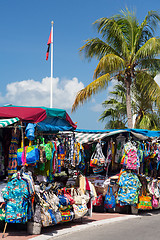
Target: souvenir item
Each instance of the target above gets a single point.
(80, 210)
(67, 215)
(98, 201)
(129, 187)
(109, 201)
(98, 169)
(98, 158)
(2, 211)
(58, 216)
(155, 203)
(63, 200)
(27, 155)
(68, 195)
(16, 194)
(144, 203)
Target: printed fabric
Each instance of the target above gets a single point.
(129, 187)
(130, 159)
(12, 160)
(15, 195)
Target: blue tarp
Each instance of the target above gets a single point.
(54, 124)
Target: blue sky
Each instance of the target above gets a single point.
(24, 72)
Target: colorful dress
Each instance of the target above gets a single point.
(15, 195)
(12, 160)
(129, 187)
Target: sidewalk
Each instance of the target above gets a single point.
(19, 231)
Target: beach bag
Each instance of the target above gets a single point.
(63, 200)
(80, 210)
(97, 170)
(2, 211)
(58, 216)
(48, 151)
(51, 212)
(30, 129)
(109, 201)
(27, 155)
(78, 196)
(67, 216)
(98, 201)
(97, 158)
(93, 162)
(155, 202)
(144, 203)
(68, 195)
(45, 216)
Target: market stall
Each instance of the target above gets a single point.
(38, 163)
(58, 173)
(121, 164)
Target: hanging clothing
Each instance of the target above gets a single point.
(129, 187)
(12, 160)
(120, 141)
(15, 195)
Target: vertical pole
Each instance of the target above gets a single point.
(51, 92)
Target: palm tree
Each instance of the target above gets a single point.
(143, 106)
(115, 108)
(127, 51)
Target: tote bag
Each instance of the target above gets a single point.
(27, 155)
(109, 201)
(144, 203)
(80, 210)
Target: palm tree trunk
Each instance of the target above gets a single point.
(128, 103)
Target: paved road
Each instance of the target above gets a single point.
(146, 227)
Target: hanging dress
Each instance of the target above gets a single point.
(12, 159)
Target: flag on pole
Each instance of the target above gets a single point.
(49, 43)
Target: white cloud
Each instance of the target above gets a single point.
(97, 108)
(35, 93)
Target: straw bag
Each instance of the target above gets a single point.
(80, 210)
(78, 196)
(58, 216)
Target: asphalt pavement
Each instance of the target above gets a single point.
(100, 225)
(144, 227)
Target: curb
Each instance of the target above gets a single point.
(57, 233)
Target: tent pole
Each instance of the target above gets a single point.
(4, 229)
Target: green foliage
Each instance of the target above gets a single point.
(127, 51)
(143, 106)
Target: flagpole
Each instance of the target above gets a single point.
(51, 91)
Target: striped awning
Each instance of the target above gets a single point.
(7, 122)
(89, 137)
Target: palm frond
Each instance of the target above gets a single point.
(146, 30)
(110, 63)
(151, 65)
(97, 48)
(99, 84)
(112, 31)
(149, 50)
(148, 86)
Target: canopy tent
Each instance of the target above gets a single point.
(26, 114)
(84, 136)
(47, 119)
(7, 122)
(57, 120)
